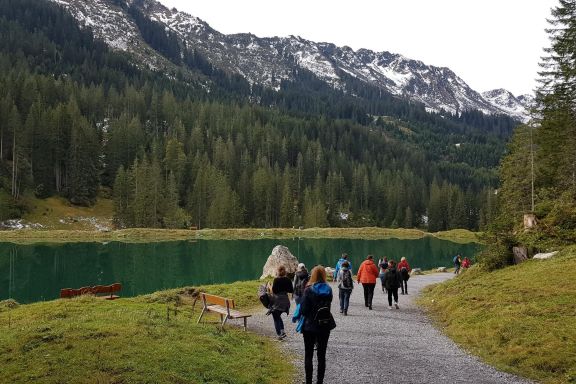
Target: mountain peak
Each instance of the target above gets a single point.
(267, 61)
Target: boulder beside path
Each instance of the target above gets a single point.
(281, 255)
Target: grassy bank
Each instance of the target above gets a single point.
(147, 339)
(146, 235)
(519, 319)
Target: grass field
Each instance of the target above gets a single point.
(521, 319)
(147, 339)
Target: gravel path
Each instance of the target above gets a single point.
(382, 345)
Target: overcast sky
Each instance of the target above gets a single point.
(488, 43)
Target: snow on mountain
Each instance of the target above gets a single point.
(268, 61)
(509, 104)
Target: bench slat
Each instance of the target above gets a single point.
(213, 299)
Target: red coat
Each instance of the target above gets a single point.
(403, 264)
(368, 272)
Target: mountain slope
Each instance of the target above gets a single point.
(269, 61)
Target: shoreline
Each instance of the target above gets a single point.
(136, 235)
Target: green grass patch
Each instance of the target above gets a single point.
(148, 234)
(462, 236)
(520, 319)
(57, 213)
(147, 339)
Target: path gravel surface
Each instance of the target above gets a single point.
(387, 346)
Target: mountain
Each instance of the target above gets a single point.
(511, 105)
(268, 62)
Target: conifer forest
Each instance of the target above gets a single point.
(83, 122)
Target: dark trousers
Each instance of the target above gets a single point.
(311, 339)
(404, 286)
(278, 323)
(344, 296)
(368, 293)
(392, 292)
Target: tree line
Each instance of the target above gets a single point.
(538, 174)
(79, 120)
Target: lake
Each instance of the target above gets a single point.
(37, 272)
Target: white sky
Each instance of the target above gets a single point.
(488, 43)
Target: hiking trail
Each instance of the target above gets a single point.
(383, 345)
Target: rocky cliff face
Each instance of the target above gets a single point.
(268, 61)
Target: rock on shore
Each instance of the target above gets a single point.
(280, 256)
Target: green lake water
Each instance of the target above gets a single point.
(37, 272)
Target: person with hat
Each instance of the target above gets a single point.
(301, 277)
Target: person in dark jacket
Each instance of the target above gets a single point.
(300, 280)
(392, 281)
(404, 268)
(281, 287)
(317, 294)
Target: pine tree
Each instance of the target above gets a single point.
(122, 198)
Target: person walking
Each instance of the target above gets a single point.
(281, 287)
(300, 280)
(457, 262)
(367, 274)
(392, 281)
(404, 269)
(339, 265)
(315, 302)
(345, 287)
(383, 265)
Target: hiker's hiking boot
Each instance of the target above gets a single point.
(390, 307)
(282, 336)
(397, 307)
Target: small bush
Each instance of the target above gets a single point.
(495, 256)
(8, 304)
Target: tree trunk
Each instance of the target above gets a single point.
(14, 161)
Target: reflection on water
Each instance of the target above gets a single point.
(36, 272)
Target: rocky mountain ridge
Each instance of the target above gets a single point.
(271, 60)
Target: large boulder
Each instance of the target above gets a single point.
(280, 256)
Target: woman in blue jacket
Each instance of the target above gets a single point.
(316, 300)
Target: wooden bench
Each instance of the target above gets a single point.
(223, 306)
(103, 291)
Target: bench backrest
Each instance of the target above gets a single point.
(95, 290)
(208, 299)
(116, 287)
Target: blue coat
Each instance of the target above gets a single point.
(339, 265)
(315, 296)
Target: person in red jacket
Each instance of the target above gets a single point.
(367, 275)
(404, 268)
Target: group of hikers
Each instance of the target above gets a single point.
(313, 297)
(391, 275)
(459, 263)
